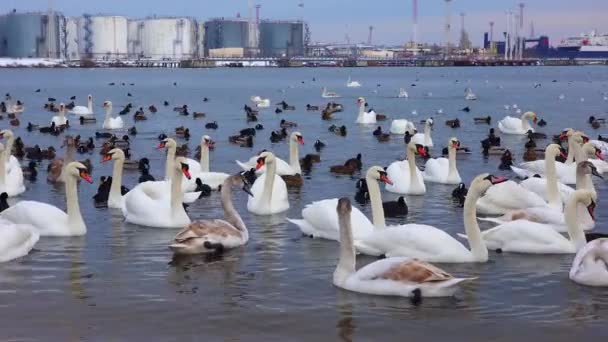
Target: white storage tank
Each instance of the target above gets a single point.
(102, 37)
(71, 39)
(163, 38)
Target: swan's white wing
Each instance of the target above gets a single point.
(523, 173)
(511, 125)
(539, 187)
(149, 205)
(436, 170)
(506, 196)
(42, 216)
(16, 240)
(526, 237)
(590, 265)
(400, 126)
(418, 241)
(600, 165)
(279, 201)
(80, 110)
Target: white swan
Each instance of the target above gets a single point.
(319, 219)
(400, 126)
(519, 126)
(590, 266)
(269, 189)
(16, 240)
(426, 242)
(329, 94)
(11, 177)
(213, 179)
(193, 168)
(82, 110)
(523, 236)
(260, 102)
(507, 196)
(405, 175)
(207, 236)
(442, 170)
(424, 139)
(282, 167)
(148, 205)
(391, 276)
(50, 220)
(115, 197)
(365, 117)
(469, 95)
(60, 120)
(352, 84)
(109, 122)
(403, 94)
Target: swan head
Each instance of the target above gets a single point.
(241, 179)
(297, 137)
(78, 170)
(167, 143)
(61, 107)
(207, 141)
(587, 198)
(344, 207)
(378, 173)
(107, 104)
(528, 115)
(566, 133)
(263, 159)
(483, 182)
(587, 168)
(113, 154)
(552, 151)
(417, 149)
(181, 164)
(590, 150)
(429, 122)
(90, 97)
(6, 133)
(454, 143)
(360, 100)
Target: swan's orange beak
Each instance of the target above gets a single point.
(386, 180)
(591, 210)
(161, 145)
(421, 151)
(563, 136)
(84, 175)
(456, 144)
(534, 120)
(106, 158)
(585, 139)
(186, 172)
(260, 164)
(210, 144)
(497, 180)
(300, 140)
(563, 155)
(599, 155)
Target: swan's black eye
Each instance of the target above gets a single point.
(185, 166)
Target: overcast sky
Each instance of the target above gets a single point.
(331, 20)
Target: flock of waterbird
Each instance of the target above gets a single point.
(531, 216)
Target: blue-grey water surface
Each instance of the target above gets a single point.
(118, 281)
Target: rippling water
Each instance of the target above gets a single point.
(120, 280)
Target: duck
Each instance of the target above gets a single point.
(459, 194)
(312, 108)
(216, 236)
(148, 205)
(212, 179)
(84, 111)
(404, 277)
(424, 139)
(139, 115)
(442, 170)
(109, 122)
(269, 190)
(30, 173)
(287, 124)
(319, 220)
(363, 116)
(405, 175)
(153, 109)
(523, 236)
(60, 120)
(396, 208)
(455, 123)
(542, 123)
(535, 135)
(4, 202)
(49, 220)
(517, 126)
(319, 145)
(212, 125)
(483, 120)
(351, 166)
(589, 264)
(285, 106)
(426, 242)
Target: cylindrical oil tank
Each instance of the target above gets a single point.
(226, 33)
(30, 35)
(164, 38)
(281, 38)
(71, 39)
(102, 37)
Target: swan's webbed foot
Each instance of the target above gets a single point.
(416, 298)
(216, 247)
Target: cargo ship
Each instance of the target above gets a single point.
(590, 45)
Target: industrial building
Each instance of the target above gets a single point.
(227, 35)
(31, 35)
(102, 37)
(281, 38)
(164, 38)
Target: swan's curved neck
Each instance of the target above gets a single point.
(230, 214)
(204, 157)
(294, 156)
(361, 110)
(170, 162)
(9, 147)
(571, 150)
(3, 158)
(75, 220)
(411, 159)
(579, 153)
(106, 121)
(525, 124)
(553, 196)
(427, 134)
(115, 188)
(584, 181)
(271, 169)
(346, 262)
(375, 198)
(90, 105)
(452, 170)
(177, 196)
(576, 234)
(476, 243)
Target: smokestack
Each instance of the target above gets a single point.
(492, 36)
(369, 37)
(415, 25)
(447, 27)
